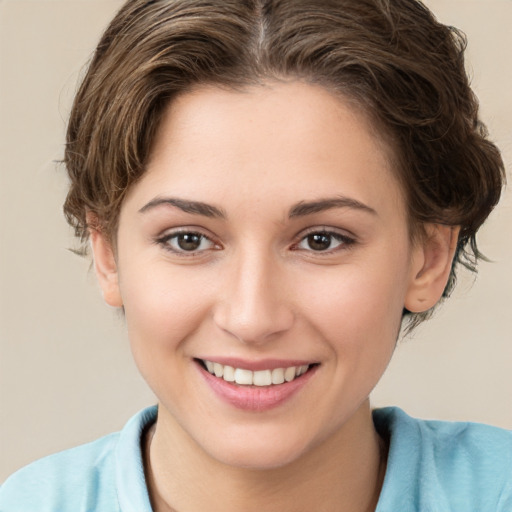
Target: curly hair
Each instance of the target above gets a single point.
(391, 57)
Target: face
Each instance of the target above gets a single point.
(263, 262)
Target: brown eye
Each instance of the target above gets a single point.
(324, 241)
(186, 242)
(319, 241)
(189, 241)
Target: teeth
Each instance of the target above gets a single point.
(218, 369)
(258, 378)
(243, 376)
(278, 376)
(300, 370)
(229, 374)
(289, 374)
(262, 378)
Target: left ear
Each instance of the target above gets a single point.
(431, 266)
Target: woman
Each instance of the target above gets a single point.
(270, 190)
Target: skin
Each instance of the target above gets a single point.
(257, 289)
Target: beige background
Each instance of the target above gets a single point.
(66, 375)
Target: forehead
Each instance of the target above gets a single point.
(302, 138)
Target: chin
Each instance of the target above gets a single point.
(257, 460)
(256, 449)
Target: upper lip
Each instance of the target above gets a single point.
(262, 364)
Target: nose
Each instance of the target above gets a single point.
(253, 305)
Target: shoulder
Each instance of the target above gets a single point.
(447, 465)
(64, 479)
(96, 476)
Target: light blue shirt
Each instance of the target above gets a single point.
(433, 466)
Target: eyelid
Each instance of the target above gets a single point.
(326, 229)
(347, 239)
(164, 238)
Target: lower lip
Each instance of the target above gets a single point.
(256, 398)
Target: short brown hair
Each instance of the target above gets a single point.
(392, 57)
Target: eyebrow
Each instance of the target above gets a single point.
(307, 208)
(195, 207)
(300, 209)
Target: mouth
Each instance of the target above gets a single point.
(268, 385)
(259, 378)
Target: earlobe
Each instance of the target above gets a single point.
(105, 265)
(431, 266)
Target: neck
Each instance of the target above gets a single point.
(345, 472)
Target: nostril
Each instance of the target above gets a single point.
(254, 324)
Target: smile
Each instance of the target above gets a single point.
(261, 378)
(267, 385)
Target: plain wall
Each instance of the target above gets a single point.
(66, 374)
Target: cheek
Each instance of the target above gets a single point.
(163, 308)
(358, 308)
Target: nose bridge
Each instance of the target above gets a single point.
(254, 305)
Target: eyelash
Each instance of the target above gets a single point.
(165, 240)
(344, 242)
